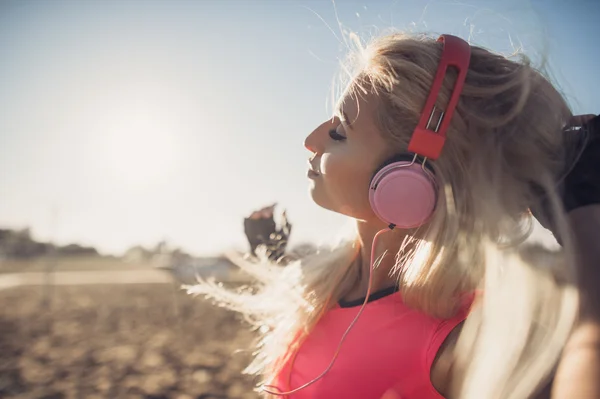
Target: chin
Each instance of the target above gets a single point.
(345, 210)
(318, 198)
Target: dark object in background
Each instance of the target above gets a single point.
(580, 184)
(262, 230)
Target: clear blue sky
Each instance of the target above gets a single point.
(126, 122)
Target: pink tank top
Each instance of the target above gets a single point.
(390, 346)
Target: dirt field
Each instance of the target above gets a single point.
(129, 341)
(69, 263)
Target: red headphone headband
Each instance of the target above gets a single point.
(429, 142)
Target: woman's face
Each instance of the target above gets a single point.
(346, 152)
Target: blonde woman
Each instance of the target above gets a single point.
(437, 292)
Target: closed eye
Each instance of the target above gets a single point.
(336, 136)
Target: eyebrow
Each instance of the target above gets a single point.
(344, 118)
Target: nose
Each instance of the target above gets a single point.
(315, 141)
(311, 142)
(309, 145)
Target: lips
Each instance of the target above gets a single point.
(313, 171)
(312, 174)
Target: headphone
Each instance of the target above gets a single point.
(403, 191)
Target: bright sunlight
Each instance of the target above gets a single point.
(140, 150)
(140, 146)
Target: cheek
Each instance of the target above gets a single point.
(347, 179)
(332, 164)
(341, 170)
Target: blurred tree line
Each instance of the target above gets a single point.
(264, 234)
(20, 244)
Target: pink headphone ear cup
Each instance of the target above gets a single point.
(403, 194)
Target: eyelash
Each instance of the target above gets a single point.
(336, 136)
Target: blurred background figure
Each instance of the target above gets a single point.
(262, 231)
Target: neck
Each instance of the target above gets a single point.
(389, 241)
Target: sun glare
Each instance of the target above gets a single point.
(141, 150)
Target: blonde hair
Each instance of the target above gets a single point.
(504, 141)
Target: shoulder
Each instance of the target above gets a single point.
(441, 355)
(442, 369)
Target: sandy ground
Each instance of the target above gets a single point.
(119, 341)
(93, 277)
